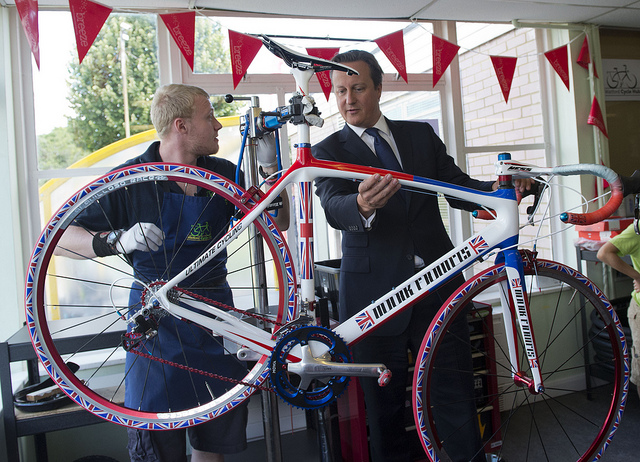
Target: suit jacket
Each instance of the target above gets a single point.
(375, 260)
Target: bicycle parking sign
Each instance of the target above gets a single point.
(621, 78)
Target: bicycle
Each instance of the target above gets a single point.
(544, 353)
(621, 79)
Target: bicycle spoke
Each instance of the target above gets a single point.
(561, 423)
(92, 299)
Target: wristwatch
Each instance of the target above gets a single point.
(112, 239)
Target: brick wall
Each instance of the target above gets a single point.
(489, 120)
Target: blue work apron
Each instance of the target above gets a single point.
(151, 385)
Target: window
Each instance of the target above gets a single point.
(82, 107)
(491, 125)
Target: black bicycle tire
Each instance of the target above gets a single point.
(456, 305)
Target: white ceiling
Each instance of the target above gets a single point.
(608, 13)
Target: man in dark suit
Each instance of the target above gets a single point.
(387, 235)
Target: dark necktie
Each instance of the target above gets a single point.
(384, 151)
(386, 156)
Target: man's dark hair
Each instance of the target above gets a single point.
(359, 55)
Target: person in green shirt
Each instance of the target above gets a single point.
(611, 253)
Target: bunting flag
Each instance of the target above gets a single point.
(595, 117)
(443, 53)
(559, 60)
(505, 67)
(88, 18)
(392, 46)
(28, 11)
(243, 49)
(182, 27)
(584, 58)
(324, 77)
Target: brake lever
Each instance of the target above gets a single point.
(536, 191)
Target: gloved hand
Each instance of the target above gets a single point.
(266, 151)
(141, 236)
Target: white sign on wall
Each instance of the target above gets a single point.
(621, 79)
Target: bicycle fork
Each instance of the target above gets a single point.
(515, 305)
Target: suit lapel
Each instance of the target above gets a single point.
(354, 145)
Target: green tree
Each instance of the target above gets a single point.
(96, 85)
(58, 149)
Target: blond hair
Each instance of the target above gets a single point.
(171, 102)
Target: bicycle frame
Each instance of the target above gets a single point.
(501, 233)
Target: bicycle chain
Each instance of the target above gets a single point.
(199, 371)
(228, 307)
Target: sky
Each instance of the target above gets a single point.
(57, 48)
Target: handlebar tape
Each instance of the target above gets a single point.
(607, 209)
(620, 186)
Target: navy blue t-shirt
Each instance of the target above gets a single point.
(142, 203)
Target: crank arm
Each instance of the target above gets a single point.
(310, 367)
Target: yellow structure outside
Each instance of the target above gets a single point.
(47, 189)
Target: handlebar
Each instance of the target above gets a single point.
(620, 186)
(615, 183)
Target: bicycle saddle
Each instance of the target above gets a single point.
(301, 61)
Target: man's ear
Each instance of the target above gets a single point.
(180, 125)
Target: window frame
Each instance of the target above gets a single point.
(26, 227)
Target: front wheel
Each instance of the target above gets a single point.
(585, 385)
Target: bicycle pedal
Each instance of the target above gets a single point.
(385, 378)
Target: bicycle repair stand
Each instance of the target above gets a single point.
(270, 415)
(254, 126)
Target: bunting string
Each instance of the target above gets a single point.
(89, 17)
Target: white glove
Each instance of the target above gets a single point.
(266, 151)
(145, 237)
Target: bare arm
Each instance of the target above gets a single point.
(76, 243)
(608, 254)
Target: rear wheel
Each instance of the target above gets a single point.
(578, 412)
(87, 299)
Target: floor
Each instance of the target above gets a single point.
(624, 446)
(303, 446)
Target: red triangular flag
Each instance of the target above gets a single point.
(595, 117)
(392, 46)
(443, 53)
(88, 18)
(182, 27)
(584, 58)
(505, 67)
(243, 49)
(559, 60)
(28, 11)
(324, 77)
